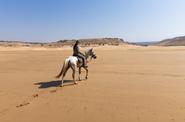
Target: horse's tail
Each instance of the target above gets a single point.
(65, 65)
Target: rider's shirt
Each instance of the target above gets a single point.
(76, 50)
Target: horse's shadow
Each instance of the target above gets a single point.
(54, 83)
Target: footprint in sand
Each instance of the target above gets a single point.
(35, 95)
(25, 103)
(53, 91)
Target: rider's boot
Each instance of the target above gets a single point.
(85, 64)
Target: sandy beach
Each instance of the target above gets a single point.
(125, 84)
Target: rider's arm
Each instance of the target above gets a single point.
(80, 52)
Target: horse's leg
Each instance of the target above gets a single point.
(86, 72)
(73, 74)
(63, 75)
(79, 72)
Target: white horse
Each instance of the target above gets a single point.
(73, 62)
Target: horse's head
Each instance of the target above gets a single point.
(90, 53)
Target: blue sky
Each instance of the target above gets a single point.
(52, 20)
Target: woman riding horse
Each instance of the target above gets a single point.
(77, 53)
(72, 62)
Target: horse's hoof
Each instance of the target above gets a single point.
(76, 82)
(61, 85)
(86, 78)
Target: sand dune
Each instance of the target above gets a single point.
(64, 43)
(126, 84)
(176, 41)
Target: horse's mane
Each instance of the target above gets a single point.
(88, 50)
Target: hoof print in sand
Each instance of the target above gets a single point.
(27, 103)
(52, 91)
(35, 95)
(23, 104)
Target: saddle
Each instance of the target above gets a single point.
(80, 61)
